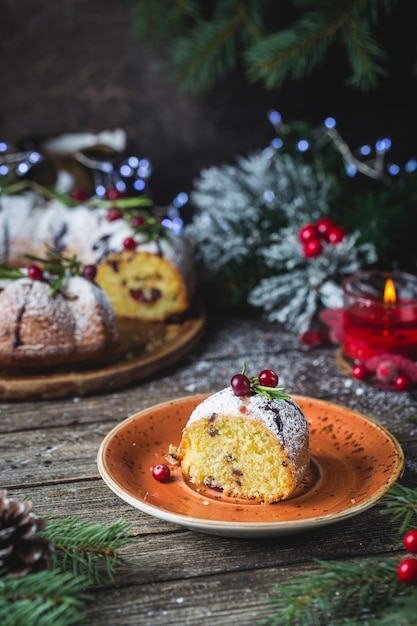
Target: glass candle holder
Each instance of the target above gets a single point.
(380, 315)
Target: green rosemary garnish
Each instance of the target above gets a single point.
(7, 271)
(55, 266)
(58, 267)
(262, 390)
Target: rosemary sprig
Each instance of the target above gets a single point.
(269, 392)
(7, 271)
(58, 267)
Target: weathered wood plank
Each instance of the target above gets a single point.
(48, 452)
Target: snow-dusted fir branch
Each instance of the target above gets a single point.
(239, 208)
(246, 228)
(298, 287)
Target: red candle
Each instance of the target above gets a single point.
(380, 315)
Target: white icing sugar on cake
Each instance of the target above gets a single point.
(36, 328)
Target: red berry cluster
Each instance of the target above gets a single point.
(313, 235)
(136, 221)
(407, 569)
(242, 385)
(89, 272)
(392, 371)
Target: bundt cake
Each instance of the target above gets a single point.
(145, 269)
(49, 320)
(253, 445)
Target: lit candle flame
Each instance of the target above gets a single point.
(390, 297)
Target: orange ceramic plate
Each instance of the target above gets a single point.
(354, 461)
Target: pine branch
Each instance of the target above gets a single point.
(370, 591)
(88, 548)
(159, 19)
(49, 598)
(212, 48)
(206, 43)
(401, 506)
(293, 52)
(340, 587)
(365, 56)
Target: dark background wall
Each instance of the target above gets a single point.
(71, 65)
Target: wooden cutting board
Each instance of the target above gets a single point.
(146, 348)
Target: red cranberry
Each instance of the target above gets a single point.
(114, 214)
(140, 296)
(137, 221)
(78, 194)
(360, 372)
(129, 243)
(386, 371)
(268, 378)
(240, 385)
(161, 472)
(114, 194)
(312, 248)
(402, 382)
(335, 235)
(35, 272)
(89, 272)
(324, 225)
(410, 541)
(407, 571)
(307, 233)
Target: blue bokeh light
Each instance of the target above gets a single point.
(180, 200)
(126, 170)
(351, 170)
(133, 161)
(121, 185)
(277, 143)
(330, 122)
(269, 195)
(145, 168)
(410, 166)
(383, 145)
(176, 224)
(139, 184)
(393, 169)
(274, 117)
(35, 157)
(3, 146)
(302, 145)
(22, 168)
(365, 150)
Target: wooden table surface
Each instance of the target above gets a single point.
(48, 451)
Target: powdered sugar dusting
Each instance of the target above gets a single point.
(283, 418)
(78, 320)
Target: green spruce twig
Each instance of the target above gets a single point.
(370, 591)
(401, 506)
(341, 586)
(88, 549)
(48, 598)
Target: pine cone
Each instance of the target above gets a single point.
(20, 552)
